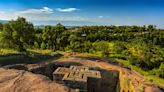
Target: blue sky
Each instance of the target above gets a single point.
(85, 12)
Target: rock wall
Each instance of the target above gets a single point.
(125, 85)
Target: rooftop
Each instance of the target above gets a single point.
(77, 73)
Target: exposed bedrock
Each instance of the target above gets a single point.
(12, 80)
(112, 80)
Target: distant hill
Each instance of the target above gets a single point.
(3, 21)
(39, 26)
(42, 26)
(65, 23)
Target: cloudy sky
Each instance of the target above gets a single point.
(85, 12)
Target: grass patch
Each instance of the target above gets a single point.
(44, 52)
(147, 75)
(29, 57)
(4, 52)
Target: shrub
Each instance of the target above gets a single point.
(43, 45)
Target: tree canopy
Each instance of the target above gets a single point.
(17, 32)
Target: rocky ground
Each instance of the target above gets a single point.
(38, 77)
(135, 78)
(12, 80)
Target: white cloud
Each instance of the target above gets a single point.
(6, 15)
(30, 14)
(72, 18)
(67, 9)
(40, 17)
(42, 14)
(44, 10)
(1, 12)
(101, 17)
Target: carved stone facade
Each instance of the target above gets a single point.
(79, 77)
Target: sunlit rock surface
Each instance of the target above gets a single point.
(22, 81)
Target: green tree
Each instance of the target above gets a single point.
(36, 45)
(43, 46)
(19, 32)
(1, 27)
(6, 39)
(161, 70)
(55, 36)
(58, 36)
(102, 46)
